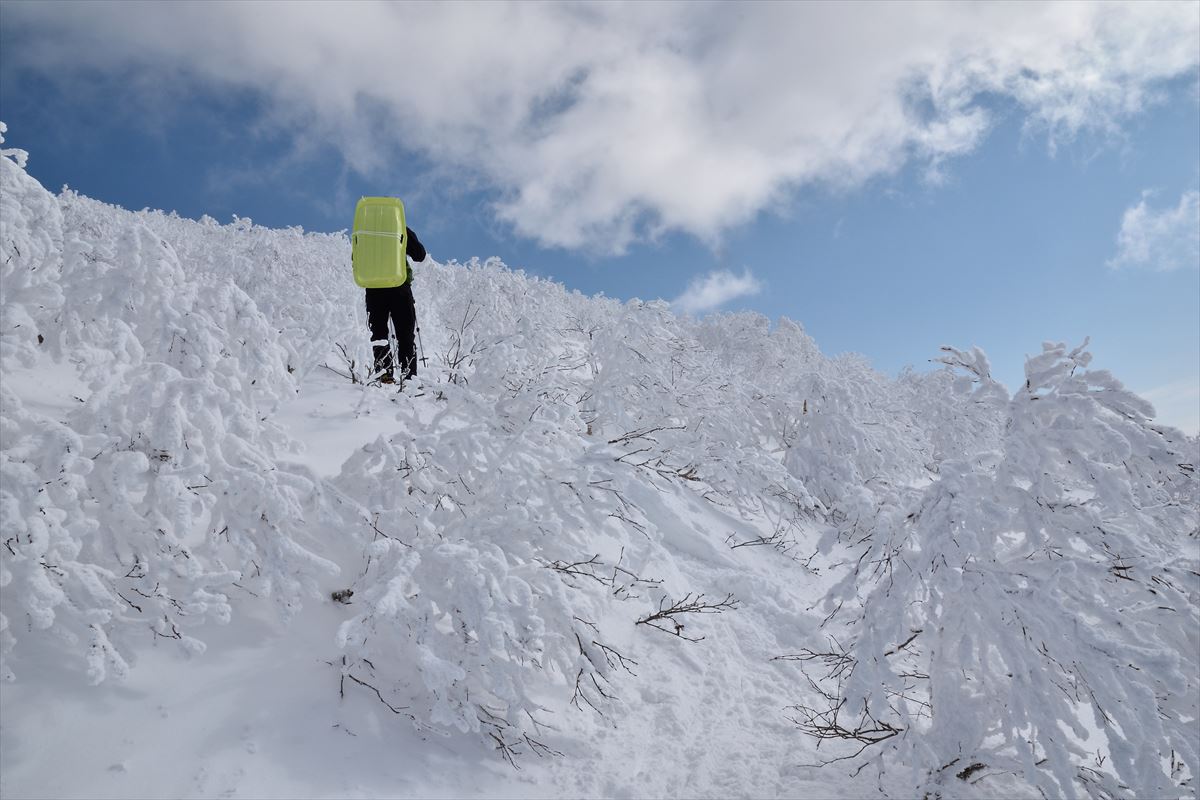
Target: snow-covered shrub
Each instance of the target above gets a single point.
(299, 282)
(133, 514)
(959, 408)
(31, 237)
(492, 571)
(1036, 612)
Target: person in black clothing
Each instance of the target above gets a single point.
(395, 303)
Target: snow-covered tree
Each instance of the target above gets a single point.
(1035, 612)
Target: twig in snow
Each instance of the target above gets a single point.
(688, 605)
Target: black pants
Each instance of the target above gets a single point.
(397, 305)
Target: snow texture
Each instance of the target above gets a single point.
(597, 549)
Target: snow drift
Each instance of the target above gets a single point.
(585, 508)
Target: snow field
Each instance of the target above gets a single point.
(188, 471)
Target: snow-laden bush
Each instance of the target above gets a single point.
(133, 515)
(299, 282)
(1036, 611)
(468, 587)
(31, 231)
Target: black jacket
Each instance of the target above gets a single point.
(416, 250)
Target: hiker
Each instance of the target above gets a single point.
(395, 303)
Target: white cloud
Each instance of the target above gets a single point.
(599, 124)
(1160, 239)
(714, 290)
(1177, 404)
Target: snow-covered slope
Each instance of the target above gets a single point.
(596, 550)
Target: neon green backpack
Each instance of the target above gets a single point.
(379, 243)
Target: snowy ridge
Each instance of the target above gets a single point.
(897, 568)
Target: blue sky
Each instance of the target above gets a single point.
(893, 177)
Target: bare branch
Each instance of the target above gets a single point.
(667, 614)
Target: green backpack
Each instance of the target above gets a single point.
(379, 243)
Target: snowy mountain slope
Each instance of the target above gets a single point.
(188, 469)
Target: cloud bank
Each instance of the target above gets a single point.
(1160, 239)
(714, 290)
(599, 125)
